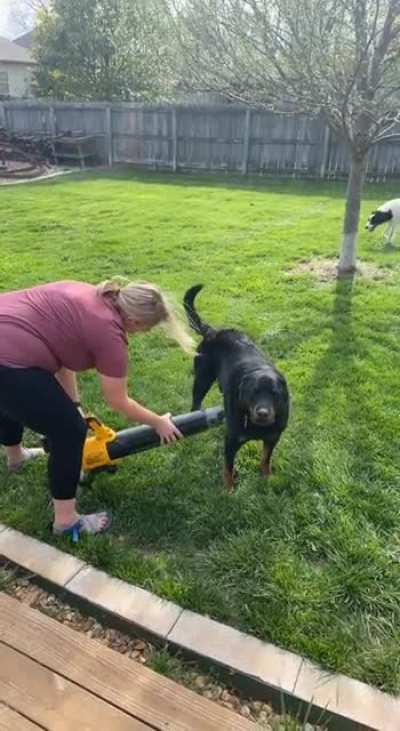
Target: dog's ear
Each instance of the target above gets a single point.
(244, 388)
(279, 385)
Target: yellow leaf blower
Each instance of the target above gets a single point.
(104, 447)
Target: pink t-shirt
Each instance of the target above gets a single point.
(63, 324)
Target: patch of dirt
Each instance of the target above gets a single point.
(326, 270)
(17, 169)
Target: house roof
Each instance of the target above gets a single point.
(26, 40)
(13, 53)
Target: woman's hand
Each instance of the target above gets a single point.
(166, 429)
(116, 395)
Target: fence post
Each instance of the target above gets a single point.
(3, 117)
(52, 121)
(325, 152)
(246, 141)
(174, 140)
(108, 136)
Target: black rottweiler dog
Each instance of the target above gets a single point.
(256, 397)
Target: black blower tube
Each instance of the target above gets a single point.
(140, 438)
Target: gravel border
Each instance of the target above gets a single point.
(269, 673)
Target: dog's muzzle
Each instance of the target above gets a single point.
(262, 416)
(370, 226)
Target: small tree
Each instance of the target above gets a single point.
(103, 49)
(335, 57)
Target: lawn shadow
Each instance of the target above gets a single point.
(338, 366)
(388, 248)
(231, 180)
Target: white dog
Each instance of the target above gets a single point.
(388, 213)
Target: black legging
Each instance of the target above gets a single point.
(33, 397)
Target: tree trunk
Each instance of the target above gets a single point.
(347, 261)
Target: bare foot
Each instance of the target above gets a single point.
(26, 455)
(94, 523)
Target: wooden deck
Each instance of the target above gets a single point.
(54, 678)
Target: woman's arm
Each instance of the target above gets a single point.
(67, 379)
(116, 395)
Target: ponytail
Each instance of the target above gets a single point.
(147, 304)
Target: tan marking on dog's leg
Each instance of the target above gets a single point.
(229, 479)
(265, 464)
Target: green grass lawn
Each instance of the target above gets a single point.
(309, 560)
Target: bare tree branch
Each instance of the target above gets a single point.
(24, 12)
(338, 57)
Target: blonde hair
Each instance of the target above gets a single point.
(148, 305)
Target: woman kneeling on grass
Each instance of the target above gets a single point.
(48, 333)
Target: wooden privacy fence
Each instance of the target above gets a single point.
(231, 138)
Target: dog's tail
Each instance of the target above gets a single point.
(195, 321)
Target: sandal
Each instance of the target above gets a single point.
(90, 524)
(29, 455)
